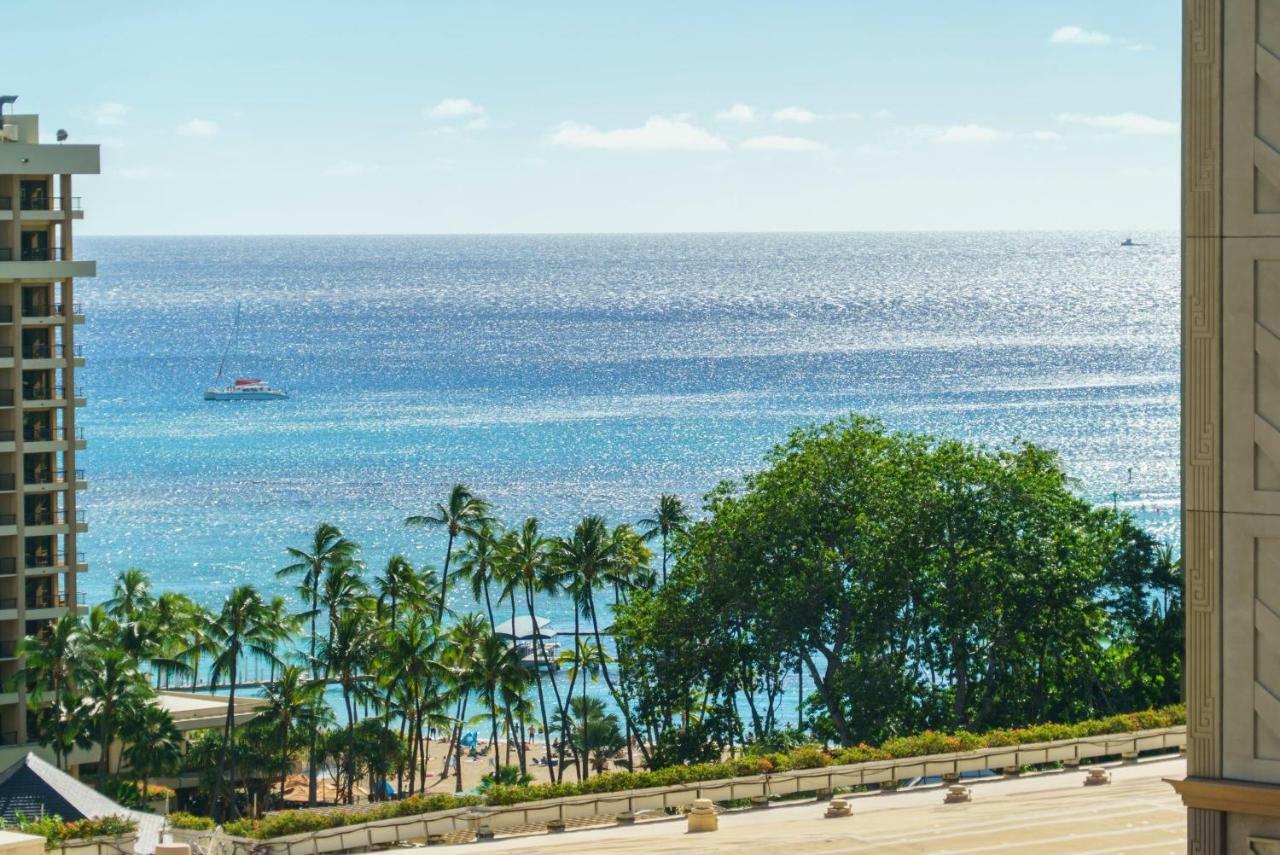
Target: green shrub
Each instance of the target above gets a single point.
(297, 821)
(189, 821)
(55, 832)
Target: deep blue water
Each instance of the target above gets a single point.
(561, 375)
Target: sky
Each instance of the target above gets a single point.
(380, 116)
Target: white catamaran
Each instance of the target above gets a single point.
(241, 389)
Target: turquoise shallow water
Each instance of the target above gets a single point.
(561, 375)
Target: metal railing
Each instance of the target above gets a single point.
(43, 253)
(8, 566)
(59, 309)
(56, 559)
(60, 600)
(8, 650)
(40, 350)
(54, 476)
(6, 481)
(6, 314)
(43, 393)
(46, 203)
(6, 351)
(39, 433)
(41, 516)
(7, 603)
(6, 397)
(8, 519)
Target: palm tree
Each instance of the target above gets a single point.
(117, 693)
(496, 672)
(398, 581)
(524, 554)
(668, 518)
(408, 666)
(477, 562)
(346, 654)
(598, 738)
(586, 662)
(592, 555)
(168, 623)
(464, 639)
(292, 699)
(241, 632)
(328, 547)
(154, 744)
(460, 513)
(54, 666)
(129, 606)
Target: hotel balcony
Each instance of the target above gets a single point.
(36, 397)
(39, 355)
(46, 314)
(8, 648)
(42, 208)
(47, 564)
(37, 438)
(46, 262)
(41, 522)
(53, 480)
(40, 601)
(8, 525)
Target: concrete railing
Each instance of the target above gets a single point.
(530, 816)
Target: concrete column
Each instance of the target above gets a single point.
(1231, 420)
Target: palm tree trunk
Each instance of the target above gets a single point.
(664, 558)
(604, 666)
(444, 577)
(458, 759)
(537, 667)
(315, 725)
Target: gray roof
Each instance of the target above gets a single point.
(34, 788)
(522, 627)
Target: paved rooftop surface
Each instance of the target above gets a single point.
(1042, 813)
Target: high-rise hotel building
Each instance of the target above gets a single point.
(40, 516)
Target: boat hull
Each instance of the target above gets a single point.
(227, 395)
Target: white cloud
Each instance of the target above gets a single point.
(657, 134)
(110, 113)
(455, 108)
(960, 134)
(348, 168)
(738, 113)
(1073, 35)
(796, 115)
(1122, 123)
(477, 124)
(780, 143)
(197, 128)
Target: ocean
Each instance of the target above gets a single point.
(565, 375)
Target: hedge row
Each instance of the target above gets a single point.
(296, 822)
(802, 757)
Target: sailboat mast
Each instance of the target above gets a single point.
(235, 332)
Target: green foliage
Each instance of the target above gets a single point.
(189, 821)
(917, 583)
(297, 822)
(507, 776)
(55, 832)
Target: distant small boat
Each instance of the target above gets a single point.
(245, 390)
(241, 389)
(1129, 242)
